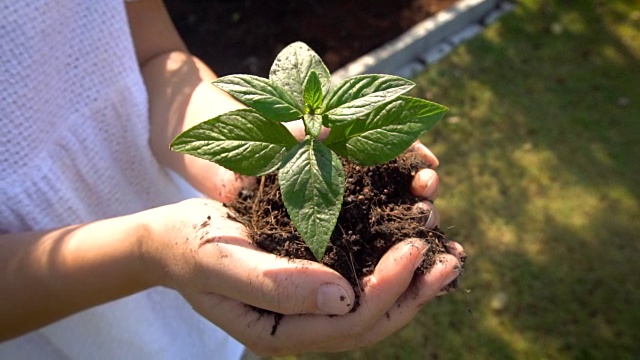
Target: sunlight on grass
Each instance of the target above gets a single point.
(539, 158)
(541, 183)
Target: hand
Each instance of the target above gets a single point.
(225, 185)
(219, 272)
(391, 298)
(426, 183)
(196, 250)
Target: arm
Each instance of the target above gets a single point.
(45, 276)
(194, 248)
(180, 96)
(229, 272)
(190, 246)
(66, 266)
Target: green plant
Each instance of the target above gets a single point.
(371, 123)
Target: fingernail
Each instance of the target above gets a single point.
(432, 218)
(333, 300)
(432, 189)
(428, 177)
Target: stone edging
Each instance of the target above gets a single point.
(428, 41)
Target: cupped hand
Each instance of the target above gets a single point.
(224, 185)
(391, 297)
(194, 248)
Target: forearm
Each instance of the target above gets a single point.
(180, 96)
(46, 276)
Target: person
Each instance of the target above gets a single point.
(102, 254)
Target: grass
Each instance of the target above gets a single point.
(540, 173)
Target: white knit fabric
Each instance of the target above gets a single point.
(74, 148)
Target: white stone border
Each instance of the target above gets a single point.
(428, 41)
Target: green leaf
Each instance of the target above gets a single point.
(386, 132)
(312, 125)
(267, 97)
(312, 185)
(242, 141)
(359, 95)
(293, 65)
(312, 93)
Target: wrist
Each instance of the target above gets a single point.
(147, 251)
(160, 247)
(128, 236)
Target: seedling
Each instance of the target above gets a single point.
(371, 123)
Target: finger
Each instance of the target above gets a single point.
(247, 182)
(457, 250)
(423, 290)
(425, 184)
(431, 218)
(310, 332)
(390, 279)
(244, 323)
(296, 128)
(237, 270)
(425, 154)
(230, 184)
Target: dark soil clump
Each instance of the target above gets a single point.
(377, 212)
(244, 36)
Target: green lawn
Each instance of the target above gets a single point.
(540, 170)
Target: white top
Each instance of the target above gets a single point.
(73, 149)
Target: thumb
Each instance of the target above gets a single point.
(229, 185)
(269, 282)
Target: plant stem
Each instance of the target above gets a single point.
(257, 199)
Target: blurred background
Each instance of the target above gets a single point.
(540, 180)
(244, 36)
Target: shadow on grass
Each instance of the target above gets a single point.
(541, 179)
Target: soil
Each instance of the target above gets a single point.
(373, 218)
(244, 36)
